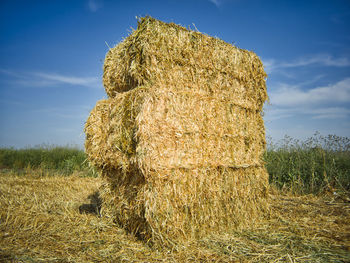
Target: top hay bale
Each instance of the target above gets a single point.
(168, 55)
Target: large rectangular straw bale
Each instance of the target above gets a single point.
(166, 55)
(180, 204)
(156, 130)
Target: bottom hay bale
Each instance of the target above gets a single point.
(176, 205)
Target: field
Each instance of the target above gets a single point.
(49, 211)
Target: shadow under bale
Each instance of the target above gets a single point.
(94, 207)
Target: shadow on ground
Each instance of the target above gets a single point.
(94, 207)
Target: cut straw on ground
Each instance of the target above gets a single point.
(40, 222)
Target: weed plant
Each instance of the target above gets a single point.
(48, 159)
(318, 164)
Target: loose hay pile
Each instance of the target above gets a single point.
(181, 138)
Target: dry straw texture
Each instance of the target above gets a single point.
(156, 129)
(40, 222)
(180, 140)
(110, 128)
(184, 203)
(172, 56)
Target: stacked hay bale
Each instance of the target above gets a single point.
(180, 139)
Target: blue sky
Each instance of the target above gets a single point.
(52, 52)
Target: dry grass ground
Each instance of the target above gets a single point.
(40, 222)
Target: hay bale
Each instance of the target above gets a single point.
(181, 204)
(181, 138)
(157, 130)
(110, 129)
(164, 54)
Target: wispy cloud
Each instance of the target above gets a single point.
(288, 95)
(216, 2)
(71, 80)
(220, 3)
(93, 5)
(330, 113)
(324, 102)
(320, 59)
(45, 79)
(316, 60)
(273, 114)
(10, 73)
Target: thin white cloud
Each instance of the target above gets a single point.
(287, 95)
(320, 59)
(325, 102)
(269, 64)
(93, 5)
(216, 2)
(272, 65)
(44, 79)
(273, 114)
(10, 73)
(330, 113)
(71, 80)
(220, 3)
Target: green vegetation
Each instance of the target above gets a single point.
(315, 165)
(50, 160)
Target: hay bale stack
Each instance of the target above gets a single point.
(181, 138)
